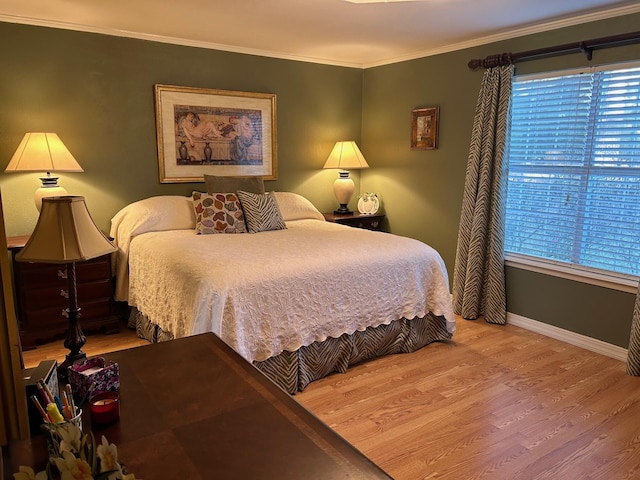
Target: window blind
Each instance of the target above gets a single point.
(574, 170)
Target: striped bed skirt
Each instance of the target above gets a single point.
(293, 371)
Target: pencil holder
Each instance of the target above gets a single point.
(77, 419)
(56, 432)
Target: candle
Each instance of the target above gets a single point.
(105, 408)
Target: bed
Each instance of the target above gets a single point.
(300, 301)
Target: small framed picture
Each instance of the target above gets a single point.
(424, 128)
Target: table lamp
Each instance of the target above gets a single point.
(66, 233)
(345, 156)
(43, 152)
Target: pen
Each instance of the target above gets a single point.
(86, 395)
(72, 404)
(42, 393)
(59, 404)
(46, 389)
(45, 415)
(54, 413)
(65, 403)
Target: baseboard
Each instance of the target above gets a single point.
(582, 341)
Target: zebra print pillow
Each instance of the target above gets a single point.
(261, 212)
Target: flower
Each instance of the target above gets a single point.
(70, 437)
(72, 468)
(108, 455)
(27, 473)
(74, 456)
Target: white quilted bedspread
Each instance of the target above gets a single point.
(273, 291)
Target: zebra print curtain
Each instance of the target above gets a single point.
(478, 281)
(633, 354)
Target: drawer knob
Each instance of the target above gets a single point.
(64, 293)
(62, 273)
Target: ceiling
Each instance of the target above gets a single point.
(356, 33)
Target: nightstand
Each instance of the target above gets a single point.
(358, 220)
(41, 292)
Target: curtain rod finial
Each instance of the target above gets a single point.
(474, 64)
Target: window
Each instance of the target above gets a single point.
(573, 195)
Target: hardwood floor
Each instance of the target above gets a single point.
(96, 345)
(495, 403)
(498, 402)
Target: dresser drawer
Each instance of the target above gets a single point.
(58, 296)
(357, 220)
(34, 275)
(45, 319)
(42, 291)
(367, 224)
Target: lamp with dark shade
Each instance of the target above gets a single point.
(43, 152)
(65, 234)
(345, 156)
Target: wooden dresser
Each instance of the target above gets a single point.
(42, 296)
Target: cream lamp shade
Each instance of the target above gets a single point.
(66, 233)
(43, 152)
(345, 156)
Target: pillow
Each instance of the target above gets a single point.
(214, 184)
(296, 207)
(261, 212)
(218, 213)
(154, 214)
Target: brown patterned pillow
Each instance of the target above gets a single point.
(218, 213)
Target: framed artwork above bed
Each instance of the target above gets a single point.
(216, 132)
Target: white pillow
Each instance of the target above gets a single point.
(167, 212)
(154, 214)
(296, 207)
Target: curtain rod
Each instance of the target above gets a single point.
(587, 47)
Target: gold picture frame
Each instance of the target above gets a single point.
(216, 132)
(424, 128)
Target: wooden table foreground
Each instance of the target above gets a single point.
(192, 408)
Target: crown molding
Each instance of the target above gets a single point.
(519, 32)
(37, 22)
(577, 20)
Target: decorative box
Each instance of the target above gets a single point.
(104, 373)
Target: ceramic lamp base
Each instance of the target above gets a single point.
(49, 188)
(343, 189)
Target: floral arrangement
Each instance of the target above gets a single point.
(74, 456)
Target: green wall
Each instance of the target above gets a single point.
(96, 92)
(422, 190)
